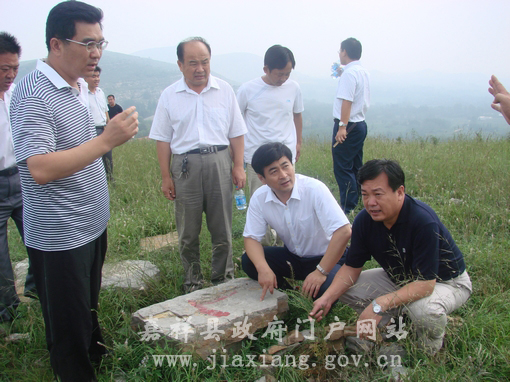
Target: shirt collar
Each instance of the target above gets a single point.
(352, 63)
(52, 75)
(403, 215)
(60, 83)
(271, 197)
(7, 96)
(183, 86)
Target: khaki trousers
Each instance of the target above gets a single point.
(207, 188)
(429, 314)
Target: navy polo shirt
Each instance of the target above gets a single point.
(417, 247)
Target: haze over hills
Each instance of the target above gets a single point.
(412, 105)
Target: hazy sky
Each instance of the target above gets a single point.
(397, 35)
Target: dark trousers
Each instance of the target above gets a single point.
(68, 284)
(107, 158)
(11, 206)
(278, 259)
(347, 160)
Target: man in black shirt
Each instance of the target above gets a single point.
(422, 270)
(113, 108)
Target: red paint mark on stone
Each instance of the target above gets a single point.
(211, 312)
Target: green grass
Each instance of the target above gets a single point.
(466, 180)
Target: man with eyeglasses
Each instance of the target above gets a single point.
(98, 109)
(65, 193)
(196, 119)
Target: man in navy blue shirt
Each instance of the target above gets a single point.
(422, 270)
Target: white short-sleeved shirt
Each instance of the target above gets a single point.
(188, 120)
(98, 107)
(354, 86)
(305, 224)
(7, 158)
(269, 114)
(48, 115)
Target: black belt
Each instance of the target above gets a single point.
(9, 171)
(207, 150)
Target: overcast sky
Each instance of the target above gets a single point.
(397, 35)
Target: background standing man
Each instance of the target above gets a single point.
(350, 130)
(11, 203)
(422, 270)
(271, 106)
(65, 194)
(113, 108)
(305, 215)
(98, 109)
(196, 119)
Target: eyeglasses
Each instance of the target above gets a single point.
(101, 45)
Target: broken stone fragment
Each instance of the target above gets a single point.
(275, 349)
(293, 337)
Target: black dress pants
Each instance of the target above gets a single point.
(68, 283)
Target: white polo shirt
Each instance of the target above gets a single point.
(7, 158)
(305, 224)
(269, 114)
(354, 86)
(98, 107)
(188, 120)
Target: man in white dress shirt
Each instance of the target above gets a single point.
(350, 129)
(99, 109)
(11, 204)
(196, 119)
(305, 215)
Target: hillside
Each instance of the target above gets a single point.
(409, 106)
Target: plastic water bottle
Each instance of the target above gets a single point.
(240, 199)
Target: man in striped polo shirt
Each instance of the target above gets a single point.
(65, 194)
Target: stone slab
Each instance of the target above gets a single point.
(20, 274)
(129, 274)
(156, 242)
(205, 320)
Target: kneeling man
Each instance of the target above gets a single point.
(304, 214)
(423, 272)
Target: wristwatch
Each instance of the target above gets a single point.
(321, 270)
(341, 124)
(376, 307)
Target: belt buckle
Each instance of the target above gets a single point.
(205, 150)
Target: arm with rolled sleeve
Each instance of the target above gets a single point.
(237, 130)
(336, 225)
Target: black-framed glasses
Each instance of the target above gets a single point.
(91, 45)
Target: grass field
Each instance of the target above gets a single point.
(466, 180)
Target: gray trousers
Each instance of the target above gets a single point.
(207, 188)
(11, 206)
(429, 314)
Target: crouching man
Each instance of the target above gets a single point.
(304, 214)
(422, 272)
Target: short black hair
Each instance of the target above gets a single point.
(375, 167)
(9, 44)
(111, 95)
(352, 47)
(61, 22)
(97, 69)
(277, 57)
(267, 154)
(180, 47)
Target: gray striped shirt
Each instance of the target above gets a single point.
(48, 115)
